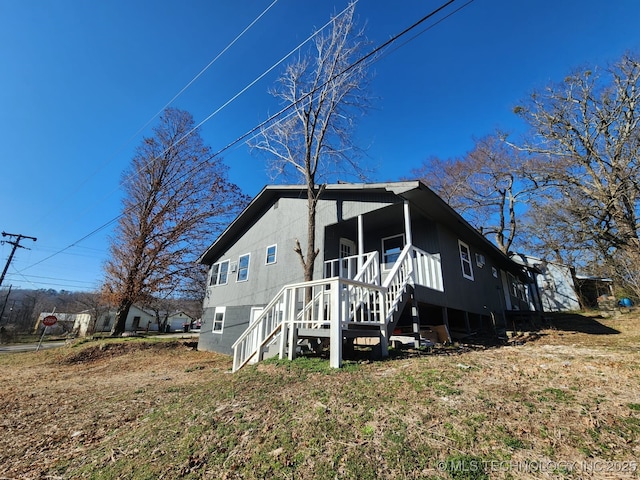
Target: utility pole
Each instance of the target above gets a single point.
(16, 244)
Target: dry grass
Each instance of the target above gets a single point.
(163, 410)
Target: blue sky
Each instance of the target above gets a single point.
(80, 80)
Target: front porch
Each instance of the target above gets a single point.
(338, 307)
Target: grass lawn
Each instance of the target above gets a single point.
(561, 404)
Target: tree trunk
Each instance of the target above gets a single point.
(311, 236)
(121, 318)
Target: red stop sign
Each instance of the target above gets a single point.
(49, 320)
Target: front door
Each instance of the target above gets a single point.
(348, 264)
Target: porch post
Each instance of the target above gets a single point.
(415, 320)
(360, 242)
(290, 316)
(407, 223)
(384, 333)
(335, 335)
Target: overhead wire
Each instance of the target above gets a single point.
(190, 132)
(342, 72)
(275, 116)
(238, 94)
(175, 97)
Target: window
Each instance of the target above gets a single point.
(465, 260)
(480, 260)
(271, 254)
(218, 319)
(219, 273)
(391, 249)
(518, 290)
(243, 268)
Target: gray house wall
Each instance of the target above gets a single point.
(281, 223)
(481, 295)
(434, 229)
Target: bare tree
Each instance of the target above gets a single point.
(94, 304)
(177, 196)
(486, 186)
(314, 142)
(587, 127)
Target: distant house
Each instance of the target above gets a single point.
(393, 257)
(137, 319)
(64, 324)
(560, 289)
(178, 321)
(554, 282)
(80, 324)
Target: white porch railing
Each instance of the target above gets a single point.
(336, 302)
(413, 266)
(427, 270)
(347, 267)
(331, 306)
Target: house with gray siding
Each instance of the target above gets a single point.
(393, 257)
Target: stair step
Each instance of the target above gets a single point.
(314, 332)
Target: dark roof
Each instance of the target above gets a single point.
(416, 192)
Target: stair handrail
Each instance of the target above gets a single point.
(368, 274)
(240, 345)
(400, 275)
(245, 347)
(370, 270)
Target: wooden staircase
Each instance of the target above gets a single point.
(338, 307)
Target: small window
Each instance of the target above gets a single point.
(465, 260)
(218, 319)
(391, 249)
(518, 289)
(480, 261)
(219, 273)
(271, 254)
(243, 268)
(494, 272)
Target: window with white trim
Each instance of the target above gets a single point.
(518, 289)
(271, 254)
(465, 260)
(218, 319)
(391, 249)
(243, 267)
(219, 273)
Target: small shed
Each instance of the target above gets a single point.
(179, 322)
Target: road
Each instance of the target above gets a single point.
(28, 347)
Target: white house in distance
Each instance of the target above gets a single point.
(138, 319)
(392, 257)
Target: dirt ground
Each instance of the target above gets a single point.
(58, 403)
(58, 406)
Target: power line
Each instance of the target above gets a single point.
(202, 122)
(175, 97)
(90, 234)
(286, 108)
(238, 94)
(342, 72)
(27, 277)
